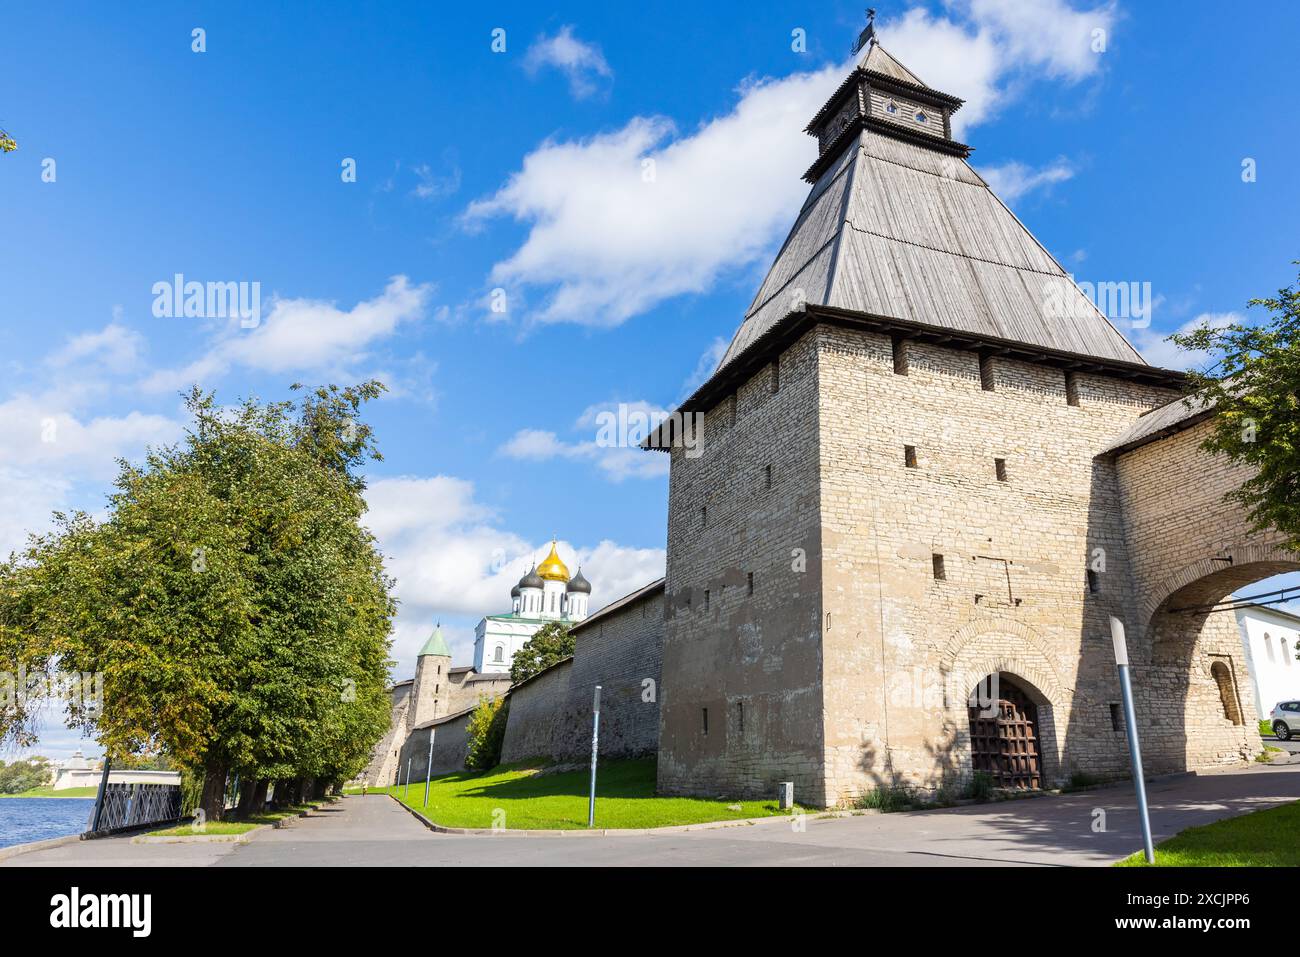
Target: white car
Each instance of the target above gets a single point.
(1286, 720)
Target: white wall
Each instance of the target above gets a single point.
(1273, 668)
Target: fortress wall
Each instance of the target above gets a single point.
(623, 653)
(535, 709)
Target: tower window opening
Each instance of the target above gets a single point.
(704, 516)
(1116, 717)
(1000, 469)
(776, 375)
(767, 476)
(707, 595)
(1094, 581)
(899, 346)
(705, 716)
(909, 456)
(740, 717)
(986, 373)
(749, 583)
(936, 561)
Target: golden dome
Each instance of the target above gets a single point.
(552, 569)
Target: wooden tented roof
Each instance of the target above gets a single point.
(893, 228)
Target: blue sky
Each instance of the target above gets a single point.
(524, 171)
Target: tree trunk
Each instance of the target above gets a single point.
(252, 800)
(213, 800)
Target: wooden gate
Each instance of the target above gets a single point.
(1004, 744)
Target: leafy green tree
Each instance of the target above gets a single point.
(233, 601)
(549, 644)
(1255, 390)
(7, 142)
(486, 731)
(24, 774)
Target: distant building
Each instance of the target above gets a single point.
(545, 594)
(1269, 637)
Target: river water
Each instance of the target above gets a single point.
(36, 819)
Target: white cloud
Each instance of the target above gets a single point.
(1159, 352)
(451, 559)
(1011, 181)
(615, 236)
(616, 431)
(582, 63)
(115, 348)
(303, 334)
(623, 220)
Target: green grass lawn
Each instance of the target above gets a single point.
(1268, 838)
(625, 798)
(48, 793)
(236, 827)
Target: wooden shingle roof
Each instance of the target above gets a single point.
(894, 228)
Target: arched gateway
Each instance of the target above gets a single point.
(1004, 734)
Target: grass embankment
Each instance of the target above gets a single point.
(519, 798)
(241, 826)
(51, 793)
(1268, 838)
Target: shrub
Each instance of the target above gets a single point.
(486, 731)
(980, 787)
(886, 800)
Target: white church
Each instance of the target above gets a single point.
(545, 594)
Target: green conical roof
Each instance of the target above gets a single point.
(436, 645)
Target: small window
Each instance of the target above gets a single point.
(776, 375)
(986, 373)
(909, 456)
(921, 117)
(749, 583)
(704, 516)
(899, 346)
(705, 715)
(767, 476)
(1286, 652)
(891, 107)
(500, 654)
(707, 595)
(1268, 646)
(1094, 582)
(1116, 717)
(1000, 469)
(936, 561)
(1071, 389)
(740, 717)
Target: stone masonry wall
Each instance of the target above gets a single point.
(905, 641)
(535, 709)
(620, 652)
(741, 696)
(450, 747)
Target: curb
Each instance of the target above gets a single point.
(612, 831)
(14, 850)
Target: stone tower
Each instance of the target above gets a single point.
(432, 687)
(905, 529)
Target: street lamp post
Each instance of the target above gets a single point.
(1130, 725)
(595, 747)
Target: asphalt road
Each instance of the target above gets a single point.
(1042, 831)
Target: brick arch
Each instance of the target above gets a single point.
(1033, 657)
(973, 653)
(1250, 562)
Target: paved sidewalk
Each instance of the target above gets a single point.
(1044, 831)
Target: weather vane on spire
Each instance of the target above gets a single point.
(867, 36)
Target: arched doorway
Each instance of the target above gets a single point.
(1005, 740)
